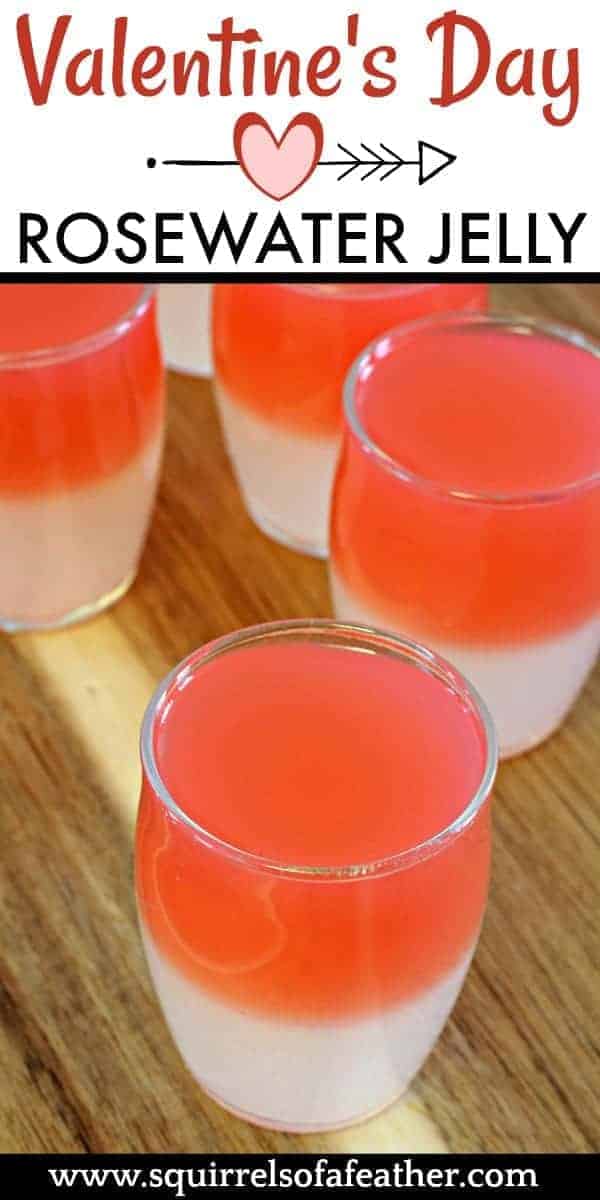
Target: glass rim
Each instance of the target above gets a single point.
(64, 351)
(510, 322)
(301, 630)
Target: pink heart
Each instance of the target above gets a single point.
(278, 167)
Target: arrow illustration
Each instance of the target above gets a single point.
(430, 162)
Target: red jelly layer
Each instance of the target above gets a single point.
(77, 414)
(284, 351)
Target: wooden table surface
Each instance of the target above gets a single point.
(86, 1063)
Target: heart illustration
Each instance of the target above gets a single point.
(278, 167)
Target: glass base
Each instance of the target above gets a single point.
(262, 1123)
(184, 322)
(507, 752)
(285, 476)
(84, 613)
(273, 531)
(204, 371)
(270, 1070)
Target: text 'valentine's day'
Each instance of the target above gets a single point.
(236, 59)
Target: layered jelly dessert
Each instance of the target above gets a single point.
(281, 353)
(81, 425)
(466, 510)
(184, 322)
(312, 865)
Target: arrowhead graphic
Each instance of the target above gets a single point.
(432, 160)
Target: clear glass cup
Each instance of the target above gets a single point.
(184, 322)
(466, 509)
(81, 433)
(306, 997)
(281, 353)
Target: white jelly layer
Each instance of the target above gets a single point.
(285, 477)
(302, 1077)
(67, 551)
(184, 323)
(528, 689)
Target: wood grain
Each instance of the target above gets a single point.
(86, 1063)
